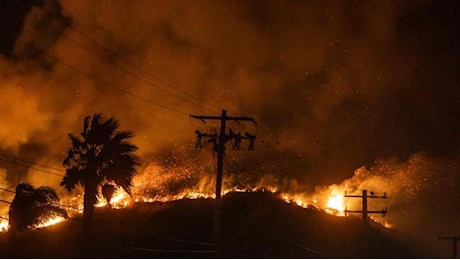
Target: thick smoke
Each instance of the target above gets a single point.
(332, 85)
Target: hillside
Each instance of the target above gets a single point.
(254, 225)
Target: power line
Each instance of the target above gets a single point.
(133, 75)
(113, 53)
(106, 83)
(7, 190)
(4, 201)
(31, 167)
(55, 204)
(41, 165)
(136, 66)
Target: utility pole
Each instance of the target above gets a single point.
(365, 215)
(219, 141)
(365, 212)
(454, 244)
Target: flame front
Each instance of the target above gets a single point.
(3, 225)
(336, 205)
(154, 185)
(330, 200)
(50, 222)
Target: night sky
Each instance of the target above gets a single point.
(333, 86)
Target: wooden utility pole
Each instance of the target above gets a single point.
(365, 212)
(454, 244)
(219, 147)
(365, 216)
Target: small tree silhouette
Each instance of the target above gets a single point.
(103, 155)
(31, 207)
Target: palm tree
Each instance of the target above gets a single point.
(102, 155)
(31, 207)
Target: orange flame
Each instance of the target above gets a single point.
(336, 205)
(330, 200)
(50, 222)
(157, 184)
(3, 225)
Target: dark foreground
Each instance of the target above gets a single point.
(253, 225)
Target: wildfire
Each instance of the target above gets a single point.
(330, 201)
(119, 200)
(3, 225)
(50, 222)
(335, 205)
(146, 189)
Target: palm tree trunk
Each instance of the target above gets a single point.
(89, 200)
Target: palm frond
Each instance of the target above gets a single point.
(76, 143)
(72, 177)
(122, 170)
(86, 128)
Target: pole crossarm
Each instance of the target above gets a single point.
(372, 196)
(219, 140)
(228, 118)
(454, 244)
(364, 211)
(383, 211)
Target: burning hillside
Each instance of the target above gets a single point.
(404, 182)
(254, 225)
(159, 184)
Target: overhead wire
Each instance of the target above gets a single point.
(31, 167)
(133, 75)
(26, 161)
(138, 67)
(133, 65)
(7, 190)
(105, 82)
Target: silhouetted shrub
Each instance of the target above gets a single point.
(31, 207)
